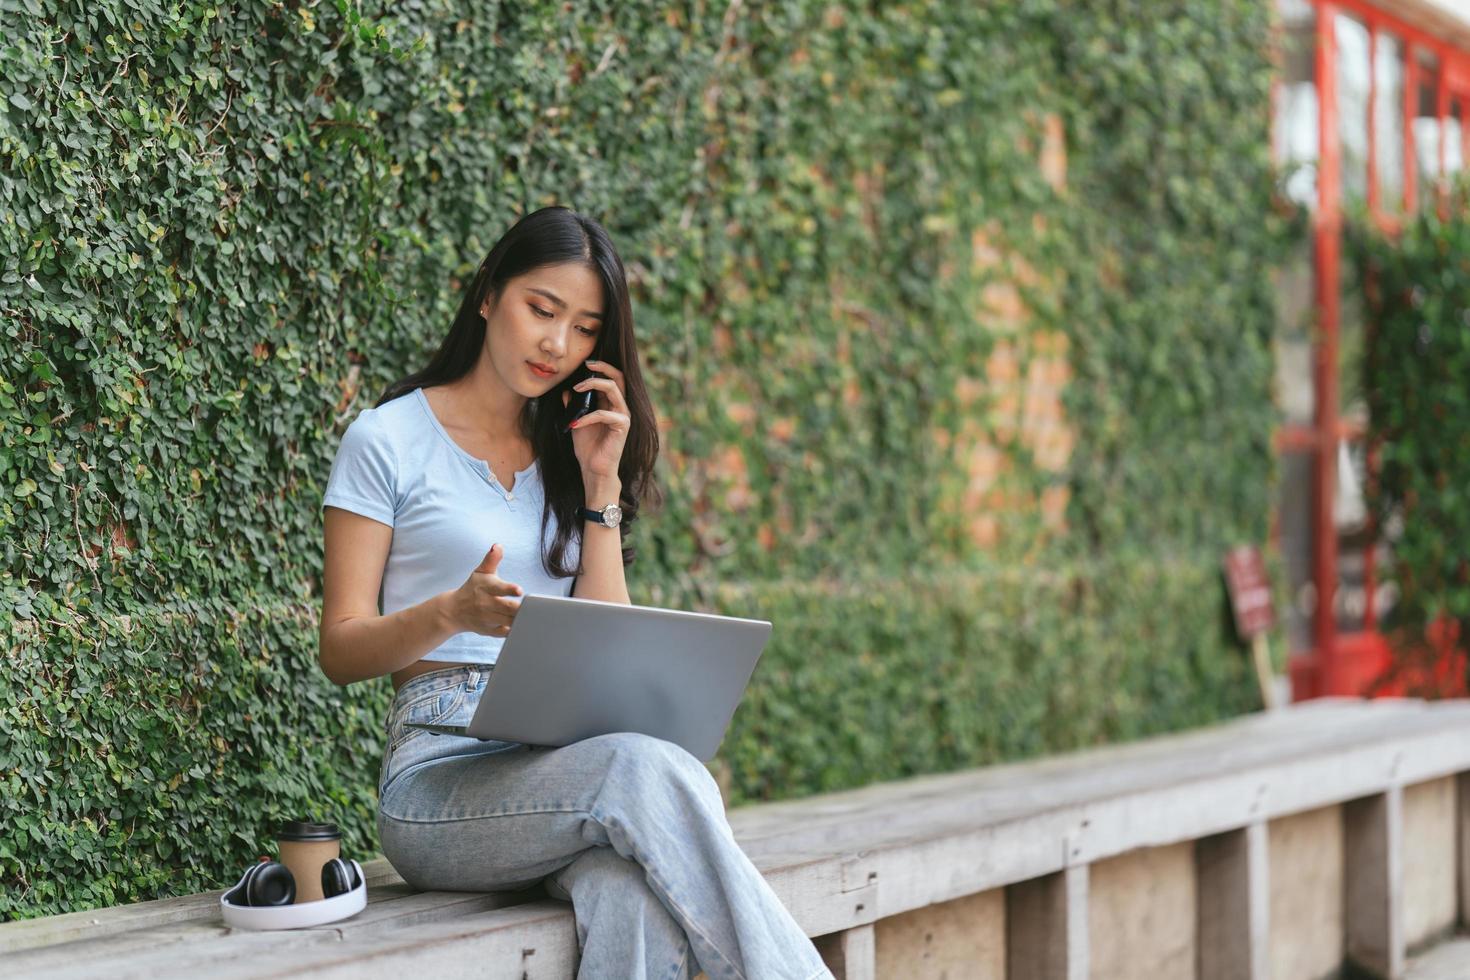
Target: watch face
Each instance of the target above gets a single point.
(612, 514)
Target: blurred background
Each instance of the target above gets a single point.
(1368, 117)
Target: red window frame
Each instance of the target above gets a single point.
(1344, 663)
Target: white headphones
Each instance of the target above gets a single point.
(263, 897)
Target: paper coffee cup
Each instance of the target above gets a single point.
(305, 847)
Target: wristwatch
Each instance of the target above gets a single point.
(609, 516)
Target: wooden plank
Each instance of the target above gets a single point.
(389, 907)
(813, 890)
(909, 871)
(205, 927)
(536, 940)
(1307, 888)
(1373, 865)
(845, 860)
(1234, 896)
(929, 805)
(850, 954)
(96, 923)
(1141, 915)
(1430, 890)
(1462, 840)
(1449, 960)
(964, 938)
(1047, 927)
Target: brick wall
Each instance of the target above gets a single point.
(1012, 404)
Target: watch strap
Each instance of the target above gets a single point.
(588, 514)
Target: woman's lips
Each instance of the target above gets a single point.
(540, 373)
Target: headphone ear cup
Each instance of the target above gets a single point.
(269, 883)
(338, 878)
(241, 894)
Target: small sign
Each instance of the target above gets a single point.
(1250, 592)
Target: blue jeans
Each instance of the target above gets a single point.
(629, 828)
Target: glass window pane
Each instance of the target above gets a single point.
(1296, 314)
(1350, 517)
(1352, 104)
(1388, 120)
(1295, 133)
(1426, 121)
(1294, 514)
(1355, 538)
(1385, 591)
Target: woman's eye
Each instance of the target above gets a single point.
(586, 331)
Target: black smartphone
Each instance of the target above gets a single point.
(581, 402)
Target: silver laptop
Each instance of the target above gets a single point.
(574, 668)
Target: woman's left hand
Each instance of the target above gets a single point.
(599, 436)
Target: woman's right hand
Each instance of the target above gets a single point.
(486, 603)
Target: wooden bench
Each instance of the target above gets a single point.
(1029, 870)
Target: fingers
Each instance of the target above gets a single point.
(602, 367)
(505, 595)
(506, 604)
(607, 386)
(615, 419)
(499, 587)
(501, 609)
(490, 565)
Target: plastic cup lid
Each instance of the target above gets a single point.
(305, 830)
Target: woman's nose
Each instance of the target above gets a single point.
(555, 344)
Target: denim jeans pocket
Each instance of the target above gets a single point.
(425, 707)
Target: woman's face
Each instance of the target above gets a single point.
(551, 316)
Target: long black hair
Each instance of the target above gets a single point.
(551, 236)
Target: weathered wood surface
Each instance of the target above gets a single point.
(1234, 904)
(1373, 863)
(1462, 855)
(839, 861)
(851, 954)
(97, 924)
(1449, 960)
(1047, 934)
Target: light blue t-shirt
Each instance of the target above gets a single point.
(398, 466)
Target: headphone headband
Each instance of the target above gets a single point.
(292, 916)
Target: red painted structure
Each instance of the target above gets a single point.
(1347, 662)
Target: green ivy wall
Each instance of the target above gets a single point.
(224, 229)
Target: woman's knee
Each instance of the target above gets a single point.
(658, 758)
(654, 796)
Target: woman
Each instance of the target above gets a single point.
(457, 493)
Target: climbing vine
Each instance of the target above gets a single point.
(224, 228)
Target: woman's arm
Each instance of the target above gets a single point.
(356, 643)
(602, 551)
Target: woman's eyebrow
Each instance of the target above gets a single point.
(558, 301)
